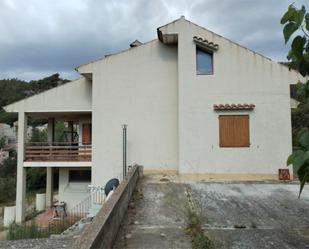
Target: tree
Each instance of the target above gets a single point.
(13, 90)
(2, 142)
(296, 26)
(38, 135)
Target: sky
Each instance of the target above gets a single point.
(39, 38)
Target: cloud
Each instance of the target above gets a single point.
(43, 37)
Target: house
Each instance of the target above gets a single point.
(195, 103)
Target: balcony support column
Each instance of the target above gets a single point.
(21, 171)
(49, 170)
(49, 187)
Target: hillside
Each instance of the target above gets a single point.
(12, 90)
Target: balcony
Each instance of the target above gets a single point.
(41, 154)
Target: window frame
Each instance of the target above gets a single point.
(196, 61)
(235, 146)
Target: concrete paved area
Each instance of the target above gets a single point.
(155, 219)
(235, 215)
(248, 215)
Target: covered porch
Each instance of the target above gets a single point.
(66, 144)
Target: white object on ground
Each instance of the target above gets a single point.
(9, 215)
(40, 203)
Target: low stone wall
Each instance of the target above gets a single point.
(103, 230)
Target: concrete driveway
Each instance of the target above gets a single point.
(254, 215)
(234, 215)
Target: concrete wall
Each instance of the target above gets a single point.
(73, 96)
(71, 192)
(240, 76)
(103, 230)
(139, 88)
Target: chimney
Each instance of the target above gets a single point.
(136, 43)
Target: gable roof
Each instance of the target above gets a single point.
(72, 96)
(169, 38)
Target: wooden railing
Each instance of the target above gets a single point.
(57, 152)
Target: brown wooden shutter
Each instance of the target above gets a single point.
(234, 131)
(87, 136)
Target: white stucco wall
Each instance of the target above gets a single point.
(169, 108)
(139, 88)
(72, 96)
(240, 76)
(71, 193)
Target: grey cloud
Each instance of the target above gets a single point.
(42, 37)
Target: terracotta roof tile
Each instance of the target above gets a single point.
(234, 106)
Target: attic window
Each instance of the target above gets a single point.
(204, 62)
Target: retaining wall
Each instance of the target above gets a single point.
(101, 233)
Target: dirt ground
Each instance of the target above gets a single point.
(234, 215)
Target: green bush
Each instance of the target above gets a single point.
(7, 189)
(36, 178)
(26, 231)
(194, 229)
(32, 230)
(38, 135)
(8, 167)
(200, 241)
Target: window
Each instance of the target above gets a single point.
(234, 130)
(80, 176)
(204, 62)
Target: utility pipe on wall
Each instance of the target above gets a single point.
(124, 149)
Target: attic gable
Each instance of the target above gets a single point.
(72, 96)
(168, 34)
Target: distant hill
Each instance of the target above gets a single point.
(12, 90)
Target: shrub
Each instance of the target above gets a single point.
(7, 189)
(36, 178)
(26, 231)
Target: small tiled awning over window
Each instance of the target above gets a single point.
(223, 107)
(206, 44)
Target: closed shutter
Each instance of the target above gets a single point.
(234, 131)
(87, 134)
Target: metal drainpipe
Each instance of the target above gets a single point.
(124, 149)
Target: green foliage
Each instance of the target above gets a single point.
(36, 178)
(2, 142)
(8, 167)
(32, 230)
(194, 229)
(297, 20)
(296, 25)
(38, 135)
(7, 189)
(26, 231)
(200, 241)
(59, 132)
(300, 158)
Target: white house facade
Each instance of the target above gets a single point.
(195, 104)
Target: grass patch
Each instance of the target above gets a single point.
(33, 231)
(194, 221)
(26, 231)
